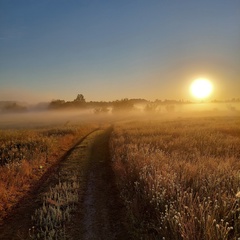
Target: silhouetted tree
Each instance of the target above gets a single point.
(13, 107)
(99, 110)
(56, 103)
(152, 107)
(80, 98)
(122, 105)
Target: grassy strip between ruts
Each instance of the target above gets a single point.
(58, 204)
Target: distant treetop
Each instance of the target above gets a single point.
(80, 98)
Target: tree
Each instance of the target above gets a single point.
(152, 107)
(56, 103)
(80, 98)
(99, 110)
(14, 107)
(123, 105)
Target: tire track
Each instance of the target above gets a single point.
(102, 215)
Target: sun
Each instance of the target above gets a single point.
(201, 88)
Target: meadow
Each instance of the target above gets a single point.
(178, 176)
(179, 179)
(27, 153)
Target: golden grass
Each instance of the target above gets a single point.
(180, 179)
(27, 154)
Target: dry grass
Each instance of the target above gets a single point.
(25, 155)
(58, 204)
(180, 179)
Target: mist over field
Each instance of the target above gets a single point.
(40, 118)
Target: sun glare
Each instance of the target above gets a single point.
(201, 88)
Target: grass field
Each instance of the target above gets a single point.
(26, 154)
(180, 179)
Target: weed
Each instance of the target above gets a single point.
(58, 204)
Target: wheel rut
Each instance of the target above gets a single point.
(102, 215)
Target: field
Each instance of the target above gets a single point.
(180, 179)
(145, 176)
(52, 173)
(26, 154)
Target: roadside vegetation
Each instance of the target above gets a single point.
(58, 204)
(26, 154)
(180, 179)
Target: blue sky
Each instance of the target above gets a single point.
(109, 50)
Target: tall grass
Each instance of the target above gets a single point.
(180, 179)
(26, 154)
(58, 204)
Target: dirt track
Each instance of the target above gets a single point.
(99, 214)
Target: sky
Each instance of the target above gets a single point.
(108, 50)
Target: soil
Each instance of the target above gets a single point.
(99, 215)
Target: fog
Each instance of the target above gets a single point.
(49, 118)
(43, 118)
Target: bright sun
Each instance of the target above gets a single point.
(201, 88)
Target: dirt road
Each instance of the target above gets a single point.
(101, 216)
(99, 213)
